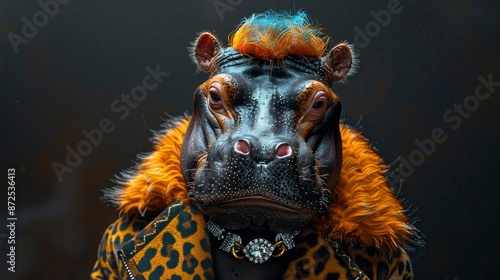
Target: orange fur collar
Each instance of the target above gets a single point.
(363, 209)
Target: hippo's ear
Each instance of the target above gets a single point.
(340, 62)
(204, 50)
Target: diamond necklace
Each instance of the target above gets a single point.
(258, 250)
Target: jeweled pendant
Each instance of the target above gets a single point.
(258, 250)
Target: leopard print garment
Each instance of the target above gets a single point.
(175, 245)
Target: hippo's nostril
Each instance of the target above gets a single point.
(242, 147)
(284, 150)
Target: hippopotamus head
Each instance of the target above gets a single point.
(263, 145)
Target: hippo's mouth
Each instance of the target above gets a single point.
(257, 201)
(257, 210)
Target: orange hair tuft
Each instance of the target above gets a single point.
(272, 35)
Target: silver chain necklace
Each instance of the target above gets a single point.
(258, 250)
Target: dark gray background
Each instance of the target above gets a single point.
(416, 68)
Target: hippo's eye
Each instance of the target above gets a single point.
(214, 98)
(318, 107)
(318, 104)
